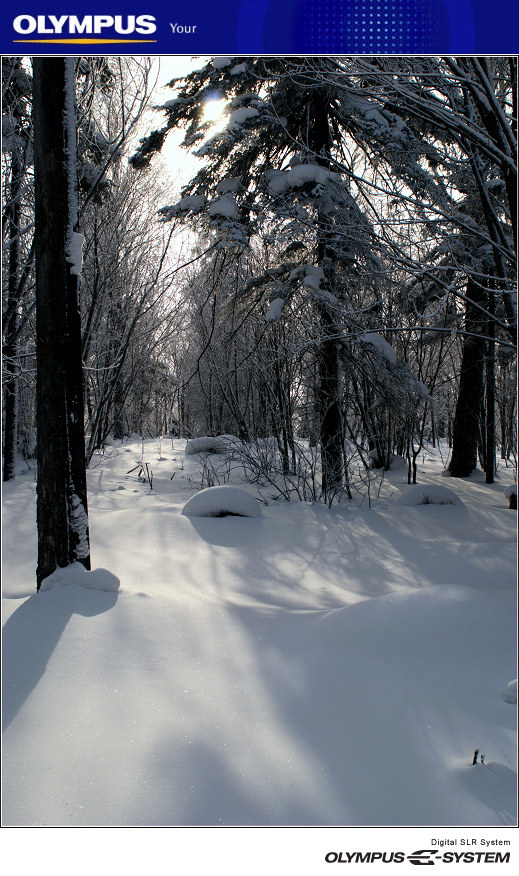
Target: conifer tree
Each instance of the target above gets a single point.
(273, 168)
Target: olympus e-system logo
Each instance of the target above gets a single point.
(86, 28)
(420, 858)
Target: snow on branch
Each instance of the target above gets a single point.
(241, 115)
(187, 204)
(380, 343)
(229, 184)
(275, 308)
(224, 206)
(280, 181)
(220, 62)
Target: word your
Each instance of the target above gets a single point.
(69, 24)
(183, 28)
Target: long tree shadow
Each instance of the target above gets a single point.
(31, 634)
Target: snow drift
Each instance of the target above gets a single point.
(429, 494)
(314, 667)
(221, 501)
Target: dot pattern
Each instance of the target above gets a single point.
(370, 26)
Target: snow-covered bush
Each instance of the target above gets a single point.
(284, 472)
(212, 444)
(222, 501)
(432, 494)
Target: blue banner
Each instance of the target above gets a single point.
(253, 27)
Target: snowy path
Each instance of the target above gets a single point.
(305, 667)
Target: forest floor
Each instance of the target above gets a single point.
(310, 666)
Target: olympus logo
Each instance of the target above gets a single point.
(69, 25)
(420, 858)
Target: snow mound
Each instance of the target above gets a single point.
(429, 494)
(97, 579)
(510, 491)
(211, 444)
(220, 502)
(510, 692)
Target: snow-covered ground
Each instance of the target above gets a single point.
(304, 667)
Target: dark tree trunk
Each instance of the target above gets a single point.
(465, 429)
(490, 391)
(330, 419)
(61, 486)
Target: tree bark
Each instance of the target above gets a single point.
(61, 484)
(465, 430)
(490, 392)
(330, 419)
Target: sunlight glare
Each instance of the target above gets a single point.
(213, 110)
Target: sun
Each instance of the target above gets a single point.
(214, 110)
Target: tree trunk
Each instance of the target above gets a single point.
(330, 419)
(11, 326)
(61, 486)
(468, 406)
(490, 390)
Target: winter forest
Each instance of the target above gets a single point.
(259, 440)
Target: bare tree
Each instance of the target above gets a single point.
(17, 145)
